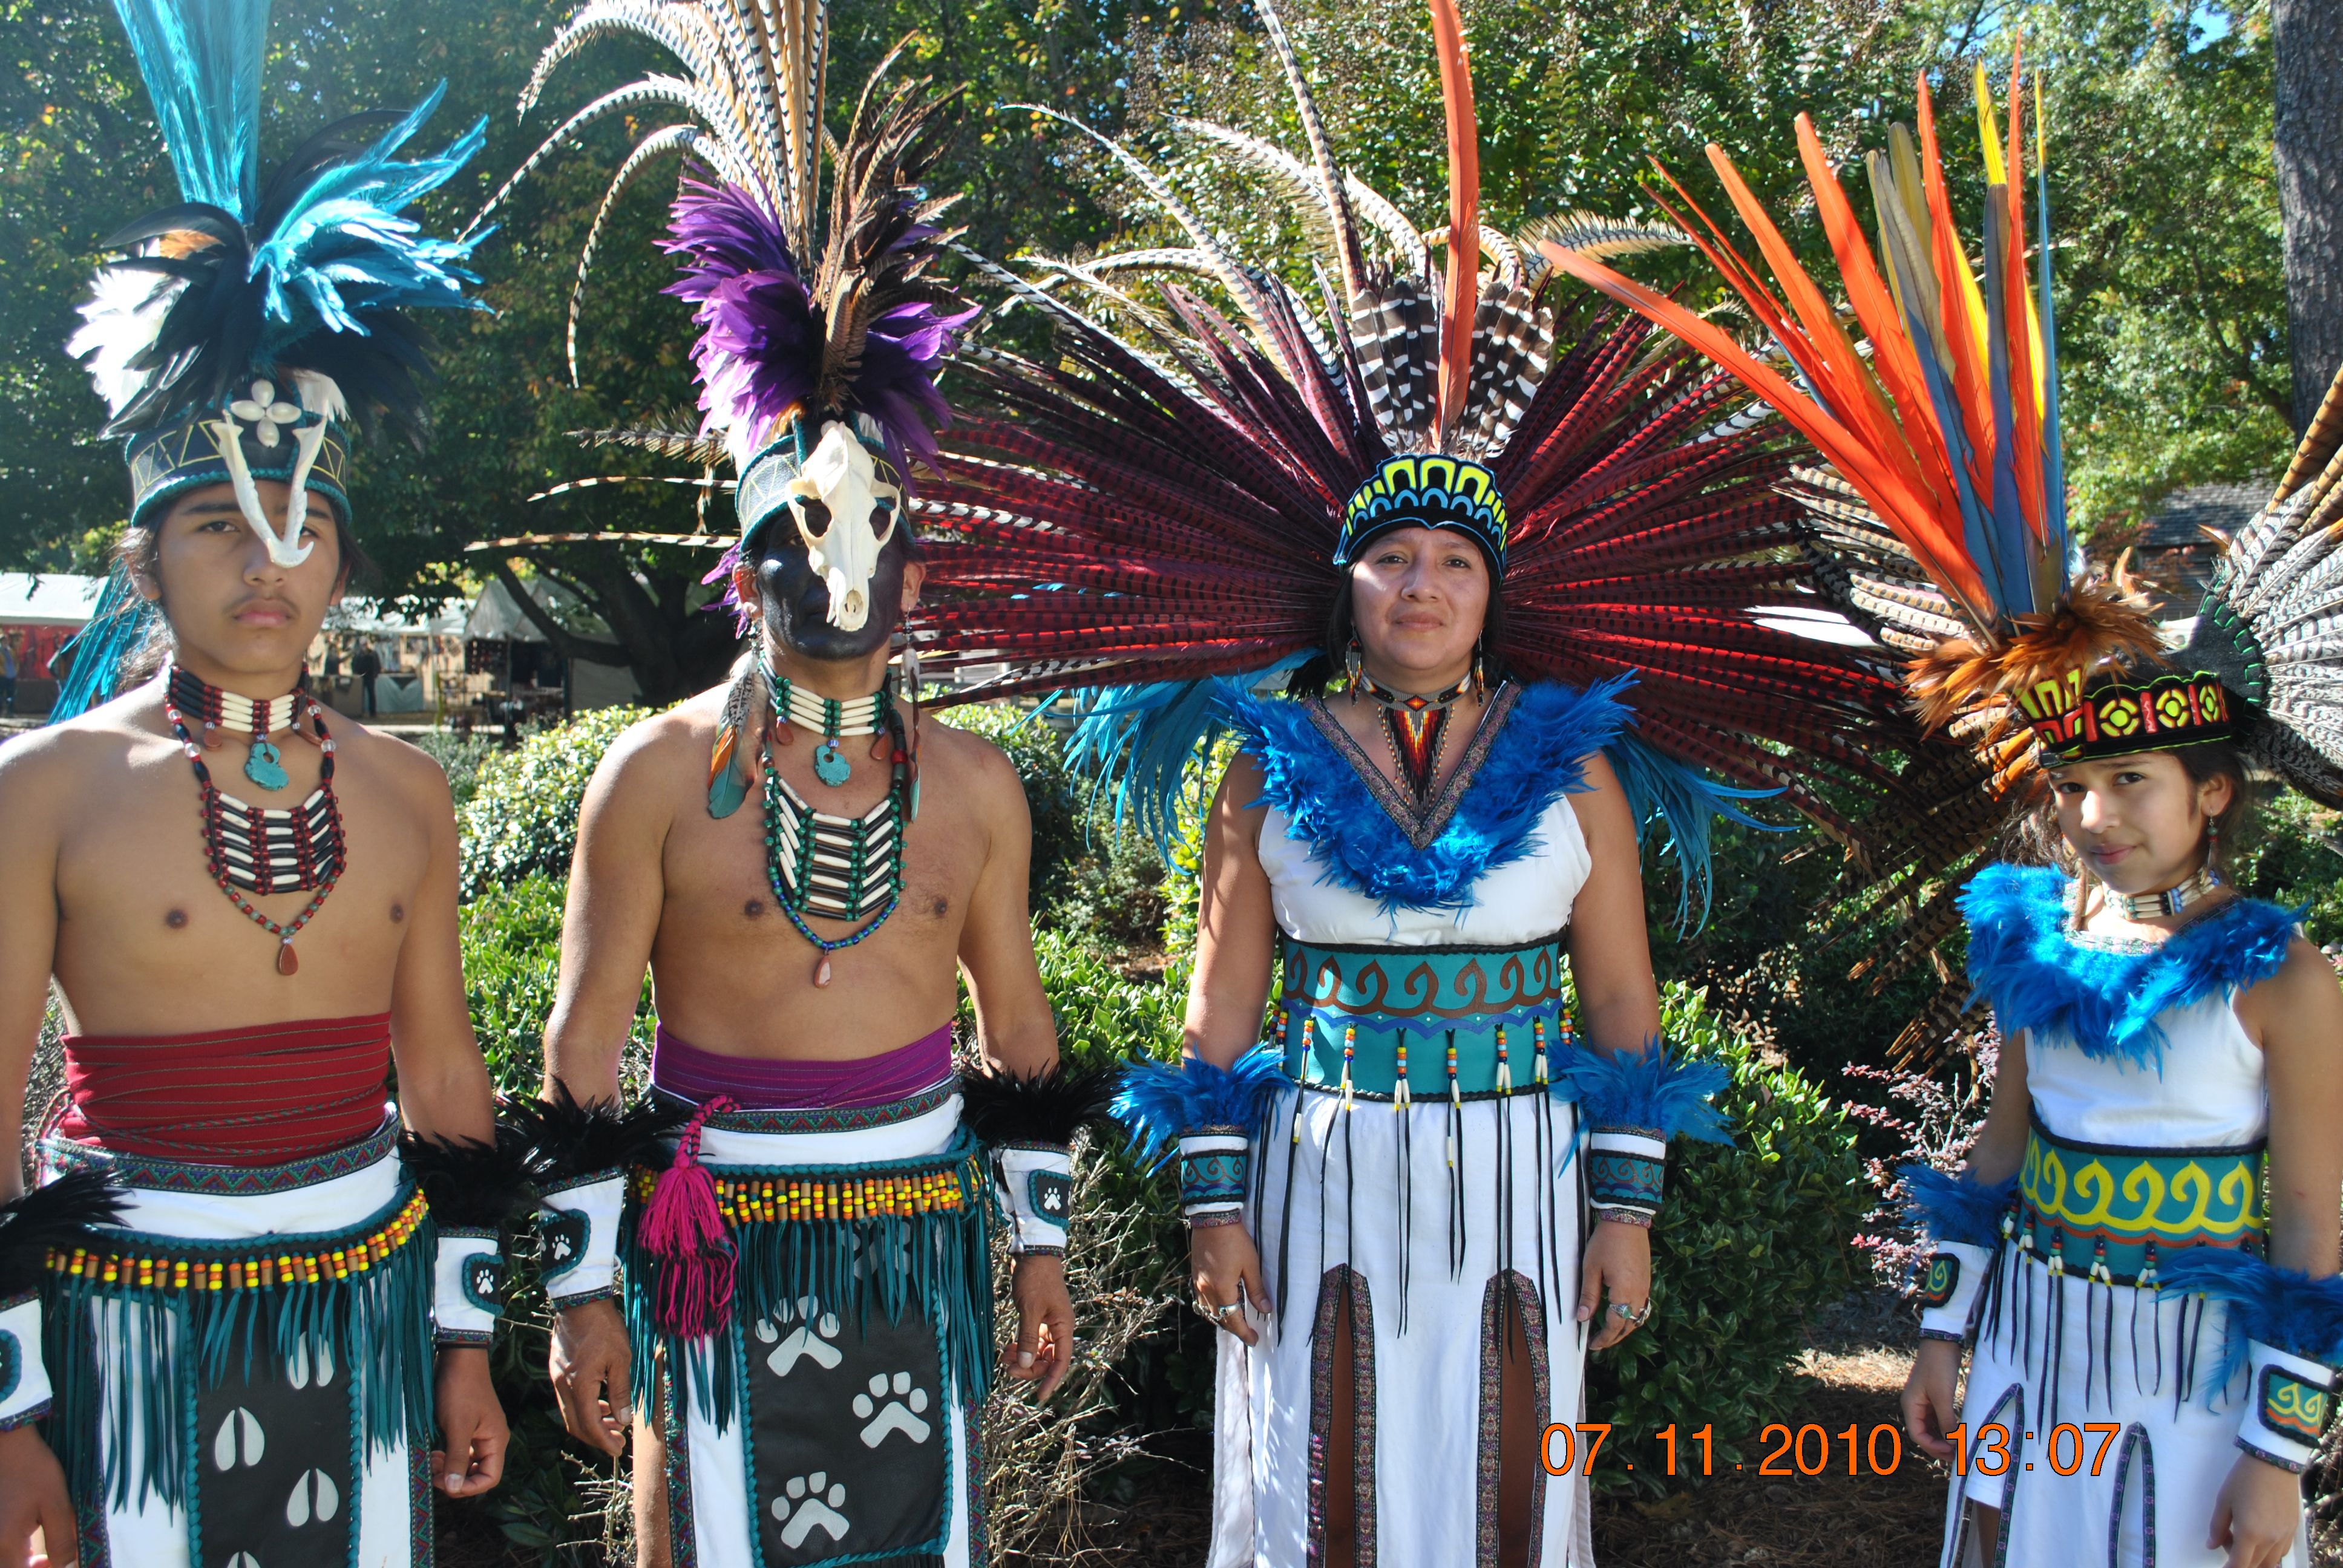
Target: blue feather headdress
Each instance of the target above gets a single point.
(243, 325)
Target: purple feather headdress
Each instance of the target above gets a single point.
(766, 352)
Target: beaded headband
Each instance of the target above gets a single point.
(2115, 719)
(165, 464)
(1426, 491)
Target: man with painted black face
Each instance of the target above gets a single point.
(819, 1007)
(808, 871)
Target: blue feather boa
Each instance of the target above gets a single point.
(2278, 1306)
(1646, 1089)
(1159, 1101)
(2040, 977)
(1952, 1208)
(1539, 756)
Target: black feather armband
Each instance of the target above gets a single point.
(49, 1218)
(1028, 1123)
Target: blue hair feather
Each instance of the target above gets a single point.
(344, 231)
(201, 60)
(1647, 1090)
(1661, 790)
(117, 628)
(1159, 1101)
(2039, 979)
(2280, 1307)
(1955, 1207)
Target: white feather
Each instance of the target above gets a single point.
(124, 312)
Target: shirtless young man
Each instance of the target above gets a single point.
(254, 1314)
(236, 1090)
(816, 1069)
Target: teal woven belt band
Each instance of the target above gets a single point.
(1471, 1020)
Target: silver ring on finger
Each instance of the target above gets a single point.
(1634, 1315)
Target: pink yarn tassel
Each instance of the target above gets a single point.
(684, 1229)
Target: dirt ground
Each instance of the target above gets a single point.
(1830, 1520)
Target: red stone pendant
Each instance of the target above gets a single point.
(287, 962)
(821, 971)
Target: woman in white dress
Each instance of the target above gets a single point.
(1419, 1205)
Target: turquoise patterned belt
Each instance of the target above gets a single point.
(1467, 1021)
(2107, 1213)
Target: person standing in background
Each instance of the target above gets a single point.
(8, 677)
(366, 665)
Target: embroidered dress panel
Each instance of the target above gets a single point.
(2110, 1214)
(1480, 1019)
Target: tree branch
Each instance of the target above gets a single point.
(565, 643)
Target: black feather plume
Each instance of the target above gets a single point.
(567, 1142)
(469, 1182)
(51, 1216)
(1045, 1107)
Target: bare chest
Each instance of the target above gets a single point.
(741, 939)
(148, 941)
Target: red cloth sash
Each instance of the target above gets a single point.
(262, 1095)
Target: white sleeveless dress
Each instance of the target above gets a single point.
(1427, 1356)
(2134, 1372)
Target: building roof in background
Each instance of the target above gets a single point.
(47, 598)
(363, 617)
(496, 617)
(2223, 505)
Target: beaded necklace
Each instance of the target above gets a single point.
(819, 863)
(2170, 901)
(828, 717)
(255, 849)
(1415, 728)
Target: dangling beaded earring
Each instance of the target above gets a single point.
(1351, 670)
(1479, 681)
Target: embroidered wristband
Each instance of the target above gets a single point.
(2287, 1402)
(1625, 1170)
(24, 1378)
(579, 1228)
(467, 1287)
(1215, 1167)
(1035, 1185)
(1950, 1288)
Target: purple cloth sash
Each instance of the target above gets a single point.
(681, 1069)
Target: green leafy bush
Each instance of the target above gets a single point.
(1750, 1238)
(522, 818)
(2293, 855)
(512, 964)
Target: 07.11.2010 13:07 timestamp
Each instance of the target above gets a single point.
(1806, 1450)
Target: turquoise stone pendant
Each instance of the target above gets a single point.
(264, 766)
(829, 766)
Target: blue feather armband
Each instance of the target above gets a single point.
(1158, 1103)
(1646, 1092)
(2267, 1304)
(1955, 1207)
(1633, 1103)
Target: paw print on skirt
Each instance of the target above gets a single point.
(808, 1507)
(810, 1339)
(887, 1416)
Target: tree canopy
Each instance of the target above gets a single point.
(2173, 329)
